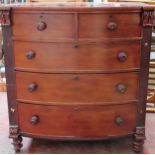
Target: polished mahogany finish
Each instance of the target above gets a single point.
(41, 26)
(86, 57)
(74, 122)
(77, 71)
(109, 25)
(75, 88)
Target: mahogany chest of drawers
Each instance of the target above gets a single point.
(77, 71)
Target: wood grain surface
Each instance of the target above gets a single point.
(77, 122)
(77, 88)
(57, 26)
(95, 25)
(64, 26)
(55, 57)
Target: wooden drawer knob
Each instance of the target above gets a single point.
(76, 78)
(30, 54)
(121, 88)
(41, 26)
(122, 56)
(76, 46)
(34, 120)
(119, 121)
(112, 26)
(32, 87)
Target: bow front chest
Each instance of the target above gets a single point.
(77, 71)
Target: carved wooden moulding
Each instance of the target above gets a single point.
(5, 18)
(148, 17)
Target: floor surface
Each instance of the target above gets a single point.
(123, 145)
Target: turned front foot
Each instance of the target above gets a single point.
(16, 138)
(17, 143)
(138, 145)
(139, 138)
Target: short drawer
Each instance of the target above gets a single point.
(75, 122)
(39, 26)
(77, 88)
(54, 57)
(59, 26)
(109, 25)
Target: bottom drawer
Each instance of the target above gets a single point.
(77, 121)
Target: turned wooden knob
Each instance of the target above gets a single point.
(30, 54)
(112, 26)
(119, 121)
(32, 87)
(121, 88)
(41, 26)
(76, 77)
(122, 56)
(76, 46)
(34, 120)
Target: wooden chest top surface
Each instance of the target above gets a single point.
(79, 6)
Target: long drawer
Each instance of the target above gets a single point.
(51, 26)
(77, 88)
(50, 57)
(76, 122)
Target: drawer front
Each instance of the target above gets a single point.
(63, 26)
(77, 122)
(50, 57)
(77, 88)
(109, 25)
(43, 26)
